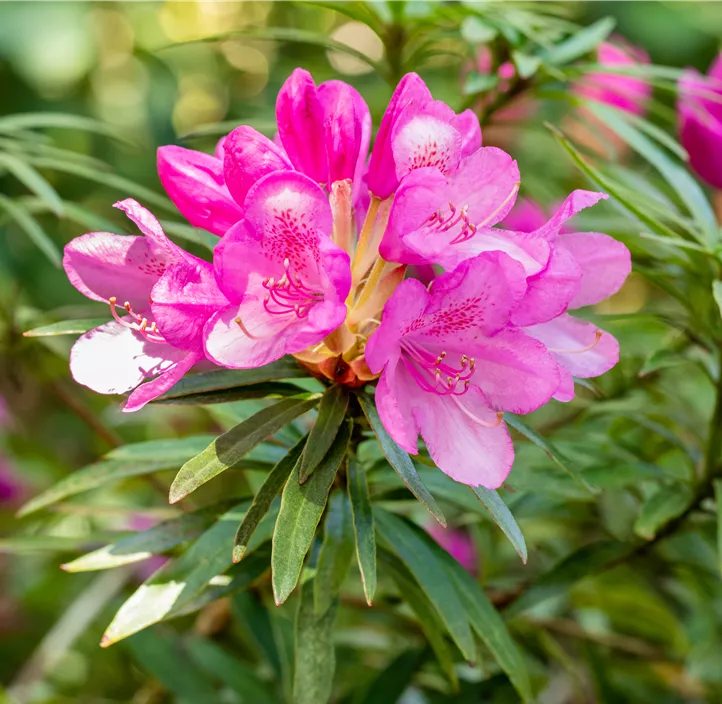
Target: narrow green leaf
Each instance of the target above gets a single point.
(273, 484)
(228, 449)
(174, 449)
(144, 544)
(271, 389)
(230, 670)
(668, 502)
(390, 683)
(91, 477)
(336, 552)
(32, 229)
(399, 460)
(66, 327)
(363, 523)
(414, 552)
(219, 379)
(315, 654)
(32, 180)
(503, 517)
(583, 42)
(718, 500)
(301, 511)
(331, 412)
(26, 544)
(717, 293)
(34, 120)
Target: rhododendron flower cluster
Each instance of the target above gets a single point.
(316, 242)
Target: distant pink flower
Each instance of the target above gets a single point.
(450, 363)
(285, 279)
(12, 488)
(458, 543)
(700, 121)
(167, 294)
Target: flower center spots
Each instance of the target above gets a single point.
(136, 322)
(435, 374)
(439, 223)
(289, 294)
(457, 316)
(291, 237)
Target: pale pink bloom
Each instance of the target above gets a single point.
(167, 294)
(450, 363)
(700, 121)
(458, 543)
(285, 279)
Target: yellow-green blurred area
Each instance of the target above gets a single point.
(156, 73)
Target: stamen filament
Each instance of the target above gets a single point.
(597, 336)
(476, 419)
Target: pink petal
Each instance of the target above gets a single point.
(101, 265)
(382, 180)
(300, 118)
(575, 202)
(148, 224)
(249, 156)
(184, 298)
(425, 136)
(113, 359)
(167, 380)
(395, 411)
(468, 125)
(526, 216)
(605, 264)
(550, 292)
(194, 182)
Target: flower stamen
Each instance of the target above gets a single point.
(597, 336)
(139, 324)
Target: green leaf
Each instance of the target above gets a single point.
(25, 544)
(66, 327)
(33, 181)
(219, 379)
(34, 120)
(503, 517)
(272, 389)
(91, 477)
(479, 83)
(475, 31)
(717, 294)
(363, 523)
(144, 544)
(301, 510)
(228, 449)
(336, 552)
(172, 449)
(390, 683)
(399, 460)
(162, 656)
(668, 502)
(660, 359)
(399, 538)
(718, 500)
(230, 670)
(427, 616)
(178, 583)
(331, 412)
(525, 64)
(315, 654)
(32, 229)
(274, 482)
(581, 43)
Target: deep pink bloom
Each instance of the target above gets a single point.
(167, 294)
(12, 488)
(415, 132)
(194, 182)
(450, 362)
(458, 543)
(285, 279)
(700, 121)
(625, 92)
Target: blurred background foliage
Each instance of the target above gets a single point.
(136, 75)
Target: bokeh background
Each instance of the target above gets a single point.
(187, 72)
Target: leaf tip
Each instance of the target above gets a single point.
(238, 552)
(106, 641)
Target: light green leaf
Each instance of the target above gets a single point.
(503, 517)
(399, 538)
(32, 229)
(479, 83)
(668, 502)
(363, 523)
(66, 327)
(228, 449)
(173, 449)
(336, 552)
(35, 120)
(315, 654)
(301, 510)
(32, 180)
(273, 484)
(525, 64)
(583, 42)
(717, 293)
(331, 412)
(718, 500)
(27, 544)
(91, 477)
(475, 31)
(399, 460)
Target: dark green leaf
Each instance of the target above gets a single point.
(718, 500)
(336, 552)
(583, 42)
(363, 523)
(301, 510)
(32, 180)
(503, 517)
(228, 449)
(32, 229)
(315, 654)
(399, 538)
(331, 412)
(66, 327)
(390, 683)
(273, 389)
(273, 484)
(399, 460)
(668, 502)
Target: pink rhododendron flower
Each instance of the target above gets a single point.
(700, 121)
(285, 279)
(167, 293)
(458, 543)
(451, 362)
